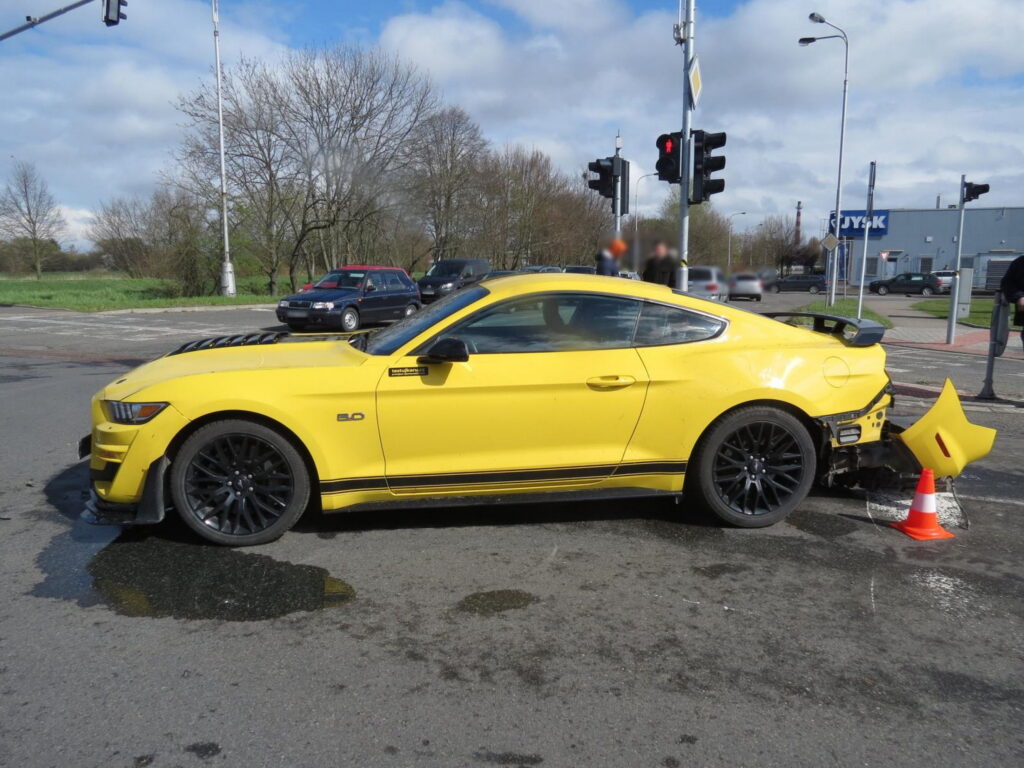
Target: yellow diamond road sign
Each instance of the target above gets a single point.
(696, 82)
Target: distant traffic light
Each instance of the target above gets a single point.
(669, 166)
(620, 171)
(112, 14)
(974, 191)
(605, 181)
(704, 164)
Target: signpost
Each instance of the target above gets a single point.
(867, 236)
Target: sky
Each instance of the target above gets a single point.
(936, 89)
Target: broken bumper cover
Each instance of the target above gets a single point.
(149, 509)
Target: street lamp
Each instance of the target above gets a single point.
(728, 260)
(227, 272)
(636, 222)
(817, 18)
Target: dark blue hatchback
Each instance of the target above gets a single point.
(351, 297)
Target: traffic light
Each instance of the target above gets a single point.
(704, 164)
(620, 170)
(974, 191)
(670, 152)
(112, 14)
(605, 181)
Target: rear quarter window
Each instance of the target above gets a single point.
(661, 324)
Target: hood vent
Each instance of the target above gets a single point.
(239, 340)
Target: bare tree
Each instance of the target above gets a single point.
(29, 211)
(120, 229)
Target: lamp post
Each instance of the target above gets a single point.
(636, 222)
(728, 259)
(817, 18)
(227, 273)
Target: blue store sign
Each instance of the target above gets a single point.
(854, 223)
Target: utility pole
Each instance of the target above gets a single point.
(684, 34)
(867, 232)
(954, 295)
(227, 274)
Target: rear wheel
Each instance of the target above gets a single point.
(238, 483)
(754, 466)
(814, 289)
(882, 290)
(411, 309)
(927, 291)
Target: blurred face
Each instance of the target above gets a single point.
(660, 251)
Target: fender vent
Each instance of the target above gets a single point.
(239, 340)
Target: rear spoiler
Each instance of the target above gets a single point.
(864, 332)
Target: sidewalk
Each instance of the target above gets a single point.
(912, 328)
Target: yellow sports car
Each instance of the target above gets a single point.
(531, 387)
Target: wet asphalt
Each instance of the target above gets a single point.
(607, 634)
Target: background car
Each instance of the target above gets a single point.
(923, 283)
(790, 283)
(350, 297)
(499, 273)
(745, 285)
(579, 269)
(628, 274)
(706, 283)
(540, 268)
(945, 278)
(449, 275)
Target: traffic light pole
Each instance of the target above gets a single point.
(684, 36)
(954, 295)
(35, 21)
(617, 202)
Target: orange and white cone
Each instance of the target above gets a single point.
(923, 521)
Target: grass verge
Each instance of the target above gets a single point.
(981, 310)
(845, 308)
(97, 294)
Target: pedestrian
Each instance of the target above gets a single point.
(661, 268)
(1012, 287)
(608, 258)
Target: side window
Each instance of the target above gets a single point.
(393, 283)
(375, 279)
(405, 280)
(660, 324)
(550, 323)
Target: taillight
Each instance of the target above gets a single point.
(712, 286)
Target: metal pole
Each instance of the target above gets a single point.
(954, 295)
(728, 258)
(839, 176)
(997, 338)
(35, 21)
(636, 222)
(617, 202)
(227, 275)
(867, 233)
(685, 35)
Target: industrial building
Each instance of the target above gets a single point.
(925, 240)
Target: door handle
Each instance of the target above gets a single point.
(610, 382)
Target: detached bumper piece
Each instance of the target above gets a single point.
(151, 507)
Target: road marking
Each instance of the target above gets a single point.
(992, 500)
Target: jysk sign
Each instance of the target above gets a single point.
(854, 223)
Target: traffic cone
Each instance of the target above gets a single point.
(923, 522)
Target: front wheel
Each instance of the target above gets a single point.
(882, 290)
(754, 466)
(775, 289)
(350, 319)
(237, 483)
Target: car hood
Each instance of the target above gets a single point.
(323, 294)
(293, 352)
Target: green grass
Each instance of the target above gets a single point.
(981, 310)
(845, 308)
(96, 294)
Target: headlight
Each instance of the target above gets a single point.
(447, 286)
(121, 412)
(283, 303)
(323, 305)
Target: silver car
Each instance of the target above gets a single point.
(707, 283)
(945, 278)
(745, 285)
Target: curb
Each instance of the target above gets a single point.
(925, 396)
(158, 310)
(938, 347)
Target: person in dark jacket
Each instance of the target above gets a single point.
(661, 268)
(608, 259)
(1012, 288)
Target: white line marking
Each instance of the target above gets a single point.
(992, 500)
(872, 594)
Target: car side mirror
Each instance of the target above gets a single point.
(445, 351)
(370, 288)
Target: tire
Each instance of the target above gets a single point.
(213, 470)
(296, 326)
(926, 291)
(882, 290)
(774, 289)
(814, 289)
(350, 319)
(757, 298)
(737, 449)
(411, 310)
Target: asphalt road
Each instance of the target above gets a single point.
(612, 634)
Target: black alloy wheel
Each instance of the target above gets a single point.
(755, 466)
(237, 482)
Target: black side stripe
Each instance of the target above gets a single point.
(597, 471)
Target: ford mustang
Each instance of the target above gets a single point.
(530, 387)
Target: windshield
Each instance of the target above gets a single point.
(444, 268)
(347, 278)
(700, 273)
(388, 340)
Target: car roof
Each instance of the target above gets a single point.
(366, 266)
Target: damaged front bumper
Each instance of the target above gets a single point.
(943, 440)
